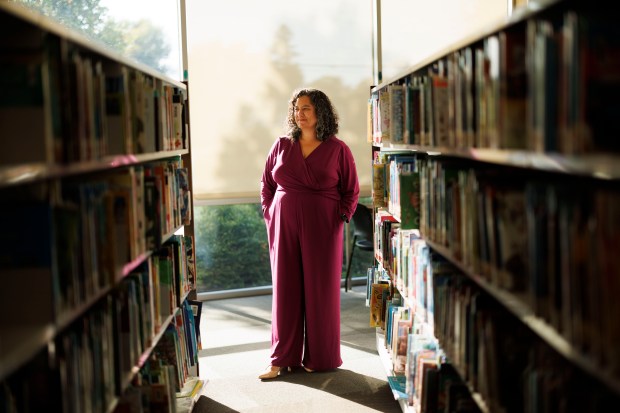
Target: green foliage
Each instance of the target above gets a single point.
(139, 40)
(232, 250)
(113, 35)
(231, 247)
(86, 16)
(146, 44)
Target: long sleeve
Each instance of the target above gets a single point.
(349, 184)
(267, 183)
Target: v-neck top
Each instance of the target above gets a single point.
(329, 171)
(301, 149)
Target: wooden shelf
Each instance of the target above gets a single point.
(600, 165)
(30, 173)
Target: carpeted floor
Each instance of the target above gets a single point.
(236, 339)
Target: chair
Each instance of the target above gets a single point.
(362, 237)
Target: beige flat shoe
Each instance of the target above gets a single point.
(271, 372)
(308, 370)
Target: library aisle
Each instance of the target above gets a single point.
(236, 339)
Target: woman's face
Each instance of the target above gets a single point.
(305, 116)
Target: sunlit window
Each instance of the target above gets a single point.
(232, 251)
(138, 29)
(414, 30)
(245, 60)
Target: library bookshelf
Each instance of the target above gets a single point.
(97, 303)
(496, 195)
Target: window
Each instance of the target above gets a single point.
(136, 29)
(245, 60)
(232, 251)
(409, 31)
(231, 247)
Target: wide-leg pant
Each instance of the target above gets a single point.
(305, 241)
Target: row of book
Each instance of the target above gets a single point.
(62, 103)
(166, 275)
(89, 365)
(153, 391)
(549, 244)
(500, 357)
(396, 186)
(540, 85)
(420, 374)
(407, 258)
(479, 216)
(497, 360)
(77, 238)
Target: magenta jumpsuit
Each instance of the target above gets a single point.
(303, 202)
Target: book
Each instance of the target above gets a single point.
(392, 307)
(128, 189)
(427, 384)
(190, 257)
(397, 384)
(409, 200)
(413, 111)
(118, 216)
(159, 172)
(511, 238)
(542, 104)
(397, 121)
(377, 304)
(191, 388)
(512, 87)
(439, 93)
(481, 85)
(378, 184)
(408, 114)
(29, 71)
(147, 307)
(192, 331)
(148, 84)
(138, 98)
(466, 65)
(426, 101)
(538, 257)
(178, 120)
(417, 344)
(162, 394)
(152, 213)
(166, 286)
(385, 116)
(118, 110)
(491, 47)
(399, 354)
(125, 329)
(168, 350)
(185, 198)
(68, 251)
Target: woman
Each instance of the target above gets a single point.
(309, 188)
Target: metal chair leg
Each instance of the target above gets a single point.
(347, 280)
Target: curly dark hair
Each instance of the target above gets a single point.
(327, 118)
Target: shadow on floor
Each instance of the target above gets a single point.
(207, 405)
(358, 388)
